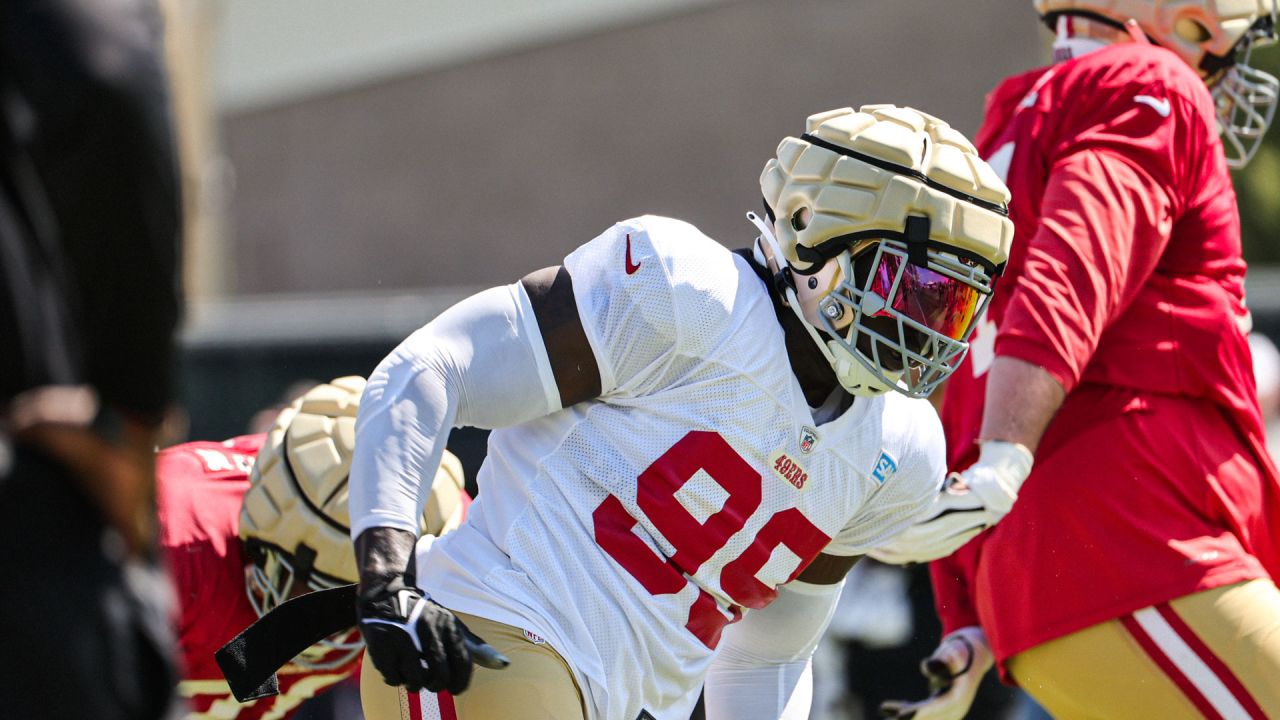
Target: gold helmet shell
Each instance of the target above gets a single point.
(864, 172)
(294, 519)
(904, 197)
(298, 489)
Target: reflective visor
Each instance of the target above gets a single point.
(941, 303)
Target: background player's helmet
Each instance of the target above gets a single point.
(1215, 38)
(886, 231)
(294, 520)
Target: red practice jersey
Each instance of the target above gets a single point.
(199, 487)
(1126, 283)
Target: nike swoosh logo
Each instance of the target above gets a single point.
(1160, 105)
(631, 267)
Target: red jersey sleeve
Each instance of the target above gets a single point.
(1106, 217)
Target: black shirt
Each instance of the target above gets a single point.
(90, 216)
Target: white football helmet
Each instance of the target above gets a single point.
(294, 520)
(886, 231)
(1214, 37)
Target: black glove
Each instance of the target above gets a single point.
(416, 642)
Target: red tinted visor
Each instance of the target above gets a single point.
(939, 302)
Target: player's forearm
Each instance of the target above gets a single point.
(383, 552)
(762, 667)
(401, 430)
(783, 691)
(1021, 400)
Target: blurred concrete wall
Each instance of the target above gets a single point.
(288, 49)
(481, 171)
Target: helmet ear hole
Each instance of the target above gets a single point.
(801, 218)
(1192, 30)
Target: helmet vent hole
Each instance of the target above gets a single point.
(1192, 31)
(813, 283)
(800, 219)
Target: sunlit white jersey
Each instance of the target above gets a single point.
(629, 530)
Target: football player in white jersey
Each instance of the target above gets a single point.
(692, 446)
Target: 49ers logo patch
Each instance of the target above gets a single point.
(788, 469)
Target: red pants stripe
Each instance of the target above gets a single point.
(431, 706)
(1189, 663)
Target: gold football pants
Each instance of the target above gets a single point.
(1212, 654)
(538, 685)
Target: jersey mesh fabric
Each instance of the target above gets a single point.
(698, 395)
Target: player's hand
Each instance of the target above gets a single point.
(416, 642)
(969, 503)
(954, 671)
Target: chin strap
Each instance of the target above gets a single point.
(852, 376)
(769, 242)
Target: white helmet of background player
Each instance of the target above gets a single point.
(1215, 38)
(294, 521)
(886, 232)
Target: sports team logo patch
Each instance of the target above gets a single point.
(808, 438)
(886, 466)
(534, 637)
(788, 469)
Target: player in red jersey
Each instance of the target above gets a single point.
(1135, 575)
(240, 536)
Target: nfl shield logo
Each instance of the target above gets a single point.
(808, 438)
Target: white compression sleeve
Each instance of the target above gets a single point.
(762, 668)
(480, 363)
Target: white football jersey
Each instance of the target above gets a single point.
(629, 530)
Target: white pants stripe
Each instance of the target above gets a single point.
(1185, 659)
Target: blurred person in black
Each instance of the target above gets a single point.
(89, 299)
